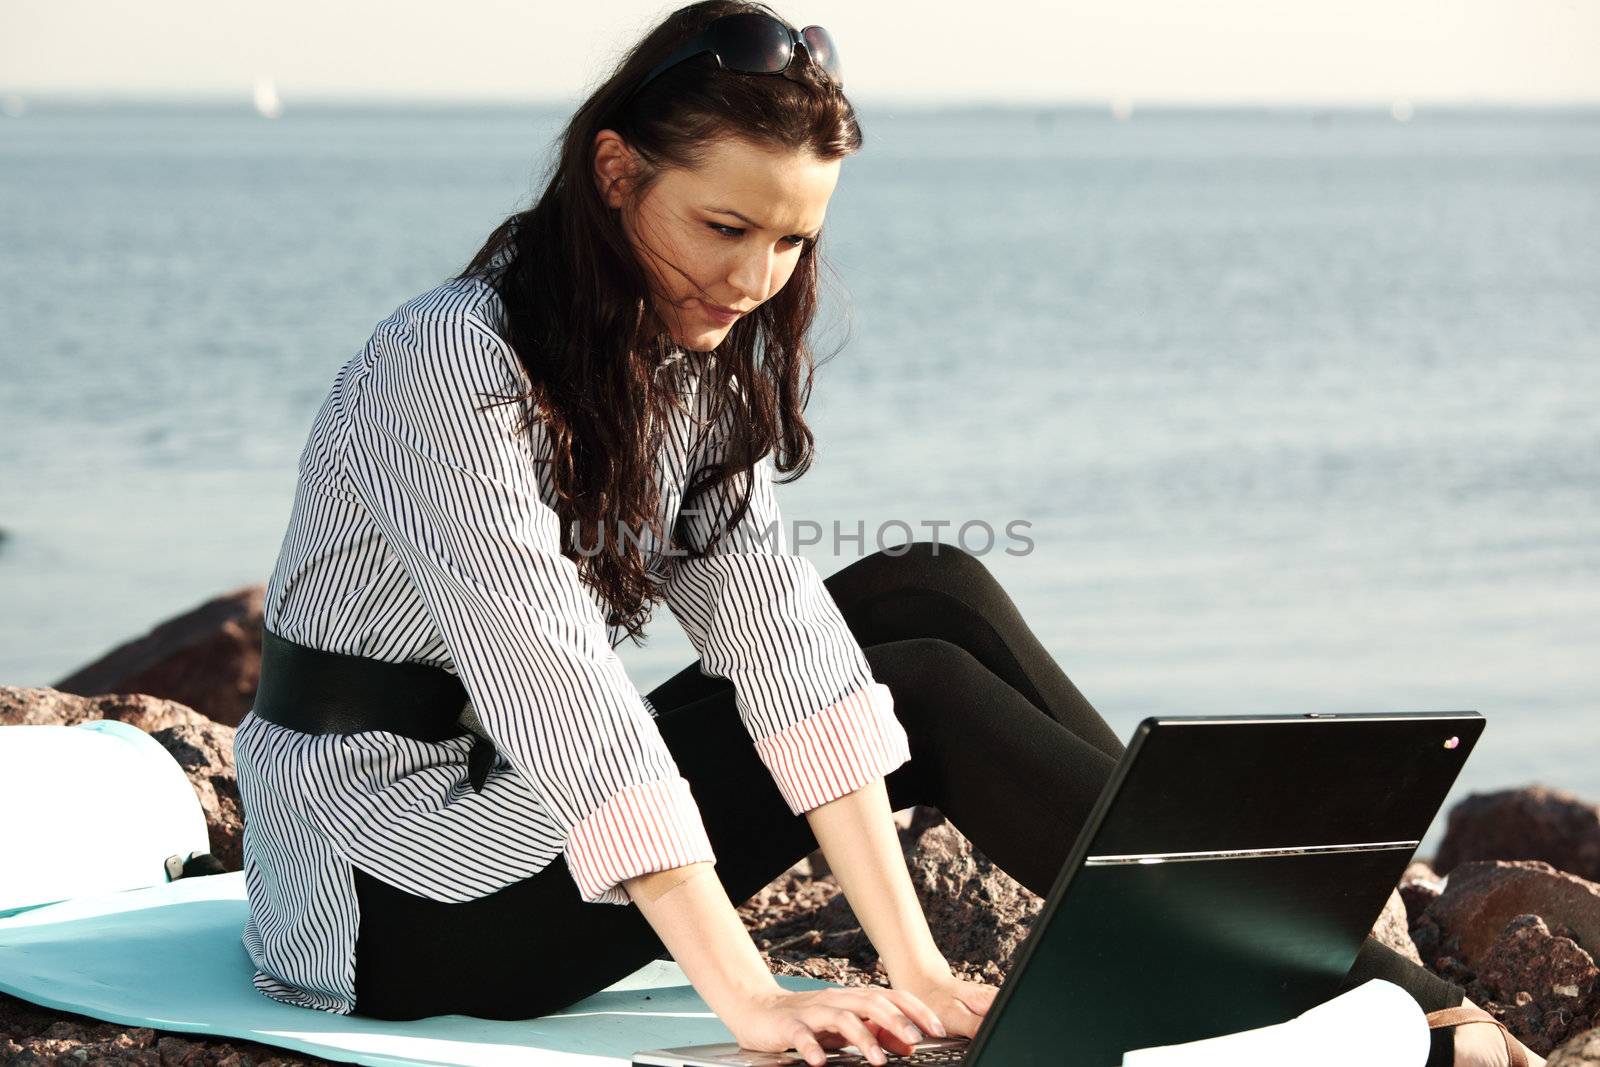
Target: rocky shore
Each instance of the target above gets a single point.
(1509, 908)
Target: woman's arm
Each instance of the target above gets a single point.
(691, 913)
(857, 835)
(453, 488)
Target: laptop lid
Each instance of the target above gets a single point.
(1226, 878)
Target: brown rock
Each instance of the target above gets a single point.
(208, 659)
(1544, 980)
(1580, 1051)
(203, 748)
(1481, 898)
(1419, 887)
(1529, 956)
(977, 914)
(1393, 928)
(914, 822)
(33, 1035)
(1535, 823)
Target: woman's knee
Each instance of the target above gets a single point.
(929, 677)
(1377, 960)
(916, 566)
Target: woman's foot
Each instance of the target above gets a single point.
(1484, 1045)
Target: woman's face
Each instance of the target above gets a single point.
(735, 225)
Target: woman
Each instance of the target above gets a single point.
(639, 337)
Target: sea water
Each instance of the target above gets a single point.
(1249, 410)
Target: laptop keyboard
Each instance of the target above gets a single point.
(928, 1057)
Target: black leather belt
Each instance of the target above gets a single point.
(318, 692)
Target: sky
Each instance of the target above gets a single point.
(1150, 51)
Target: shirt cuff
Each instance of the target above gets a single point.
(647, 826)
(836, 750)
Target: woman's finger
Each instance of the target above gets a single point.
(925, 1017)
(890, 1040)
(848, 1023)
(805, 1042)
(887, 1014)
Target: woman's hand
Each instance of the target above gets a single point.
(959, 1004)
(814, 1020)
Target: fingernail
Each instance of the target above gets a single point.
(938, 1028)
(912, 1033)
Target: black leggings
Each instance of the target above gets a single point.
(975, 690)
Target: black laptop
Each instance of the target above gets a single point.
(1225, 880)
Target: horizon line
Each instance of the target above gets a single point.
(242, 98)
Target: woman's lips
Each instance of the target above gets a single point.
(717, 315)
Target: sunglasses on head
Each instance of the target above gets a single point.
(755, 43)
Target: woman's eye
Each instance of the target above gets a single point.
(796, 241)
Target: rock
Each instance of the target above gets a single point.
(208, 659)
(1535, 823)
(1420, 869)
(205, 752)
(35, 1035)
(915, 822)
(1419, 887)
(1580, 1051)
(203, 748)
(1393, 928)
(1529, 956)
(977, 914)
(1545, 980)
(1480, 898)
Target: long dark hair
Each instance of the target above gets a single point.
(578, 309)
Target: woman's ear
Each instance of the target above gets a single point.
(613, 165)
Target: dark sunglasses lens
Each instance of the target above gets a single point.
(753, 43)
(823, 52)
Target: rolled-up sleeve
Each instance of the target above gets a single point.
(761, 617)
(452, 485)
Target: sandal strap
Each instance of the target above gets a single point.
(1458, 1015)
(1464, 1014)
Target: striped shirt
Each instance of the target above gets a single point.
(424, 529)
